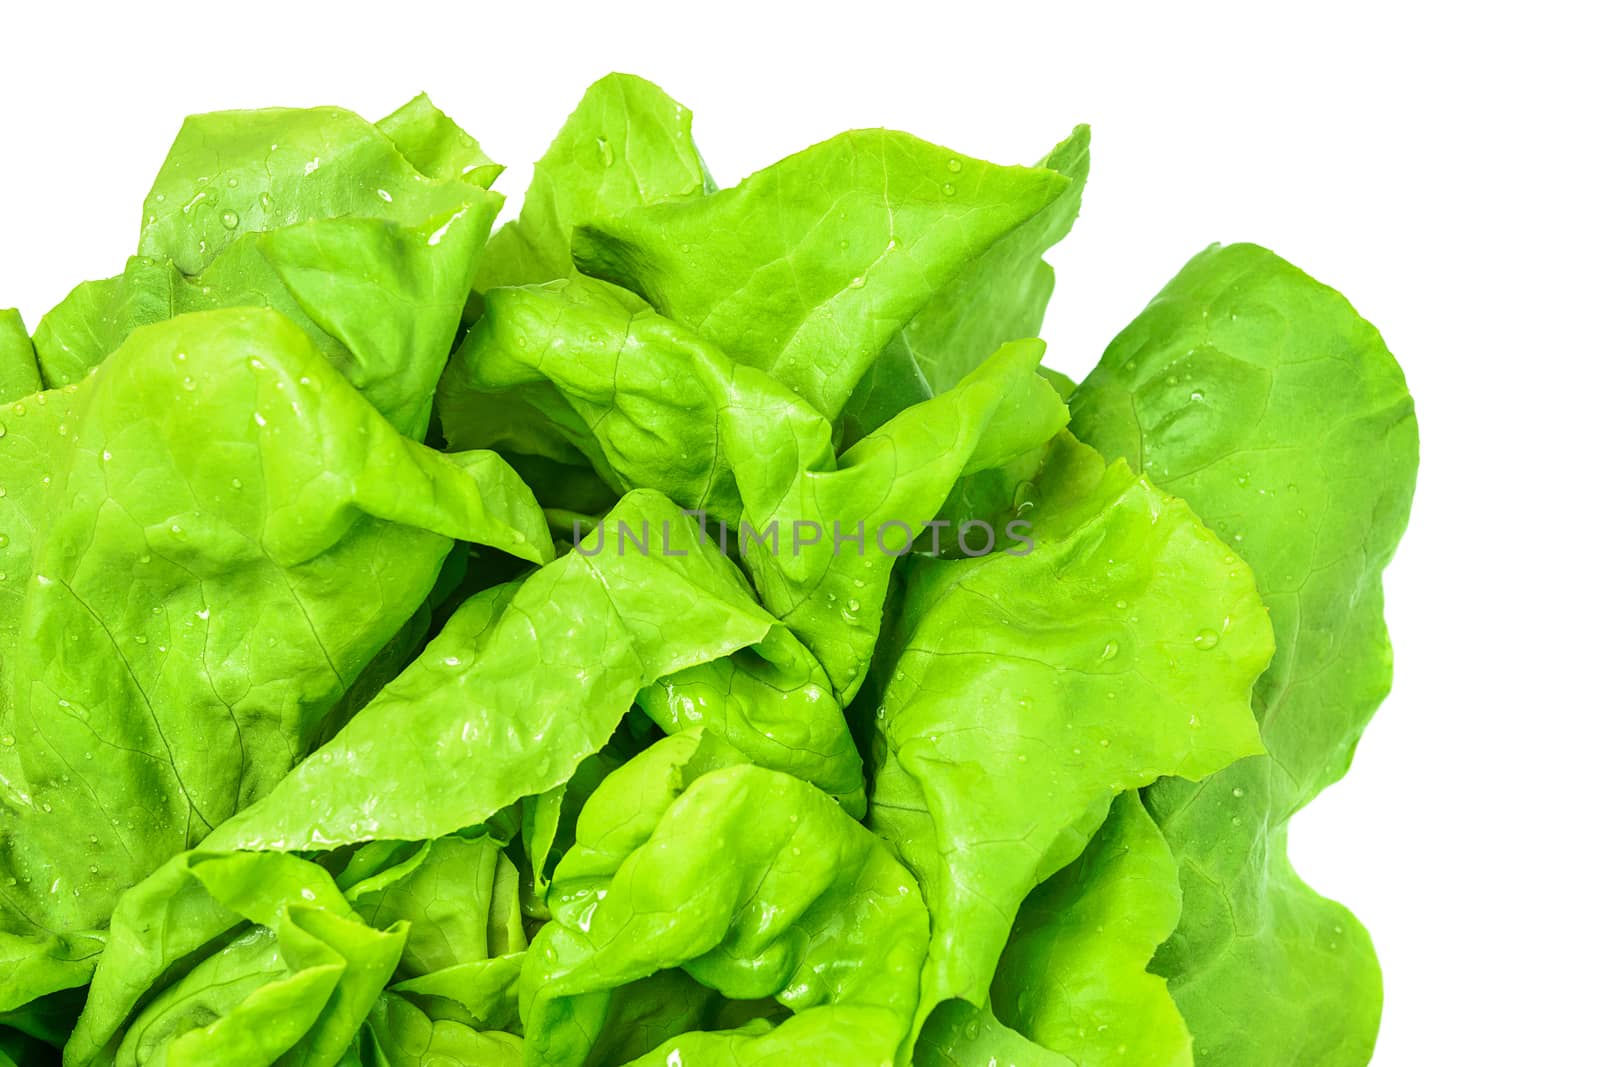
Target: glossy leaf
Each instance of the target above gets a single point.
(627, 143)
(19, 369)
(129, 552)
(1073, 977)
(376, 278)
(808, 268)
(524, 681)
(1263, 398)
(291, 980)
(1032, 688)
(794, 900)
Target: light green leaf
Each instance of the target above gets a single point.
(794, 900)
(381, 300)
(285, 973)
(19, 369)
(1263, 398)
(628, 143)
(1032, 687)
(233, 173)
(1073, 977)
(959, 1034)
(998, 297)
(178, 620)
(481, 993)
(436, 146)
(446, 895)
(524, 681)
(810, 267)
(399, 1034)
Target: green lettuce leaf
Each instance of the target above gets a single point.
(233, 173)
(1073, 977)
(810, 267)
(285, 972)
(627, 144)
(179, 620)
(458, 896)
(998, 297)
(794, 900)
(19, 368)
(1264, 399)
(376, 278)
(399, 1034)
(524, 682)
(1030, 688)
(960, 1034)
(438, 148)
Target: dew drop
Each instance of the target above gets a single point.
(955, 166)
(1109, 651)
(858, 281)
(1205, 640)
(230, 220)
(1238, 792)
(949, 190)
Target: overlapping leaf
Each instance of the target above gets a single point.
(1262, 398)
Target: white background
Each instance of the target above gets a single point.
(1434, 164)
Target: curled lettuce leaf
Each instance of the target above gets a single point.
(1074, 977)
(369, 255)
(525, 681)
(809, 268)
(246, 959)
(998, 297)
(794, 901)
(627, 144)
(741, 448)
(180, 620)
(1030, 689)
(1261, 397)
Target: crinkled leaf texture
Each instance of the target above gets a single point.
(180, 620)
(1261, 397)
(334, 226)
(525, 681)
(793, 900)
(287, 975)
(317, 747)
(1031, 688)
(809, 268)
